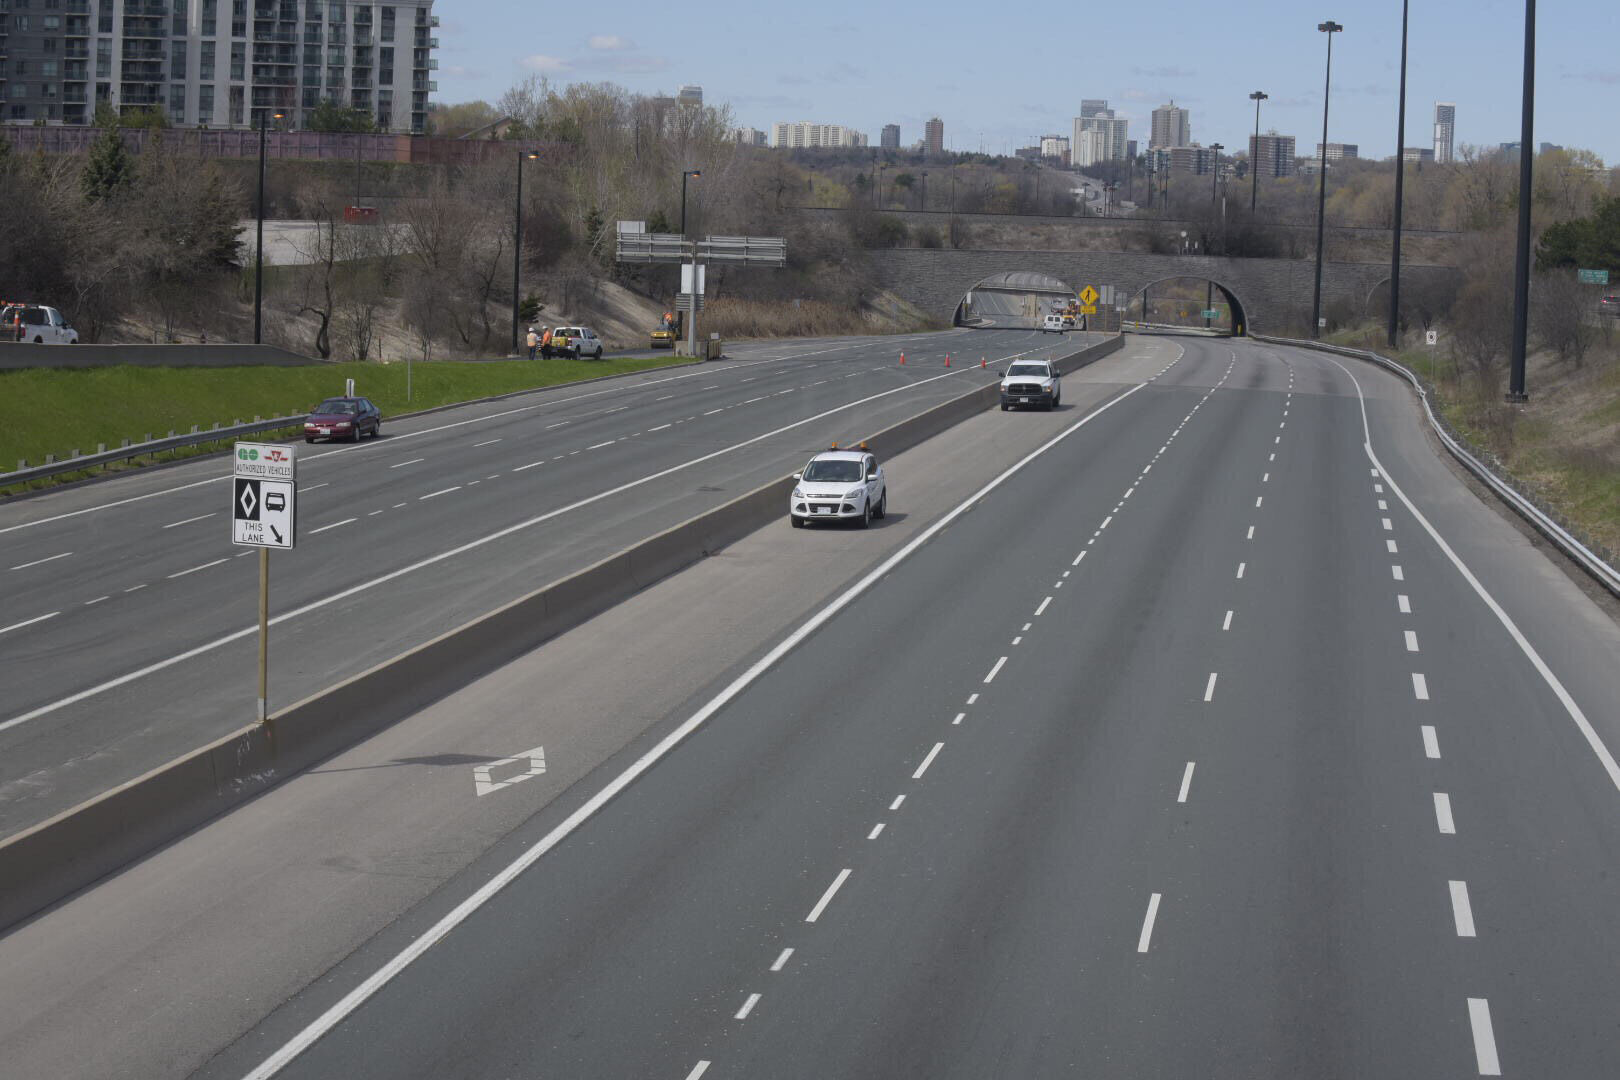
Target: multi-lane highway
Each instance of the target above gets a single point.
(1206, 726)
(128, 635)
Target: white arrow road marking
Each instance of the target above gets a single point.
(535, 759)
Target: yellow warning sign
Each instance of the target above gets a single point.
(1088, 295)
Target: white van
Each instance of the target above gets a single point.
(1053, 324)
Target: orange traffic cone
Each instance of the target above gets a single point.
(982, 363)
(902, 358)
(947, 359)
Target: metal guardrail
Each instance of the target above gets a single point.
(1540, 519)
(155, 446)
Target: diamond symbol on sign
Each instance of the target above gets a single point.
(247, 501)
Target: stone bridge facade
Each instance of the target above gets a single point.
(1274, 295)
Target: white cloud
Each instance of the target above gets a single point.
(610, 43)
(545, 64)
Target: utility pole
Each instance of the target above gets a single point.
(1329, 28)
(1521, 262)
(1400, 188)
(1254, 155)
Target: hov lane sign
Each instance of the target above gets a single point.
(264, 494)
(262, 512)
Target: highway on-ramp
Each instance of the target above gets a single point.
(1225, 733)
(128, 635)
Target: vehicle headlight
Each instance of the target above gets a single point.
(798, 493)
(341, 423)
(855, 494)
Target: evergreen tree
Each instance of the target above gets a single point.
(110, 167)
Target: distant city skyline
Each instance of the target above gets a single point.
(1170, 52)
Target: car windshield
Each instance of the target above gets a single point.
(1038, 370)
(833, 471)
(337, 407)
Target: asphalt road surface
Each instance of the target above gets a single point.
(128, 633)
(1207, 726)
(1224, 734)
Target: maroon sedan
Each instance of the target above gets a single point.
(343, 418)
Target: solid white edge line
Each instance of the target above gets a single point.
(30, 622)
(927, 761)
(1147, 924)
(1479, 1019)
(508, 530)
(462, 911)
(826, 897)
(1186, 782)
(1461, 910)
(1599, 748)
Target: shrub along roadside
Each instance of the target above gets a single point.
(55, 410)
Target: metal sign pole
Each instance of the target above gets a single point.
(264, 633)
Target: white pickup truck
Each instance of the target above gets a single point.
(1032, 384)
(36, 323)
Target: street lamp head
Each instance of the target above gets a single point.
(1329, 27)
(1259, 95)
(693, 172)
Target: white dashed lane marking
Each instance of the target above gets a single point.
(1442, 813)
(1431, 742)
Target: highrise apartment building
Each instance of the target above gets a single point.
(1095, 115)
(217, 63)
(1445, 131)
(890, 139)
(1090, 147)
(1338, 151)
(934, 137)
(806, 135)
(1055, 146)
(1171, 127)
(1272, 154)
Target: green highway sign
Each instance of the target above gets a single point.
(1593, 277)
(1211, 313)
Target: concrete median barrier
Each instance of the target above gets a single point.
(56, 858)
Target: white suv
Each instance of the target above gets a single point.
(840, 485)
(36, 323)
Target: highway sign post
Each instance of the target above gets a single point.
(264, 497)
(1592, 277)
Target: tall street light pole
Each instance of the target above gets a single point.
(1254, 154)
(258, 246)
(1521, 263)
(691, 323)
(517, 243)
(1400, 188)
(1329, 28)
(1215, 169)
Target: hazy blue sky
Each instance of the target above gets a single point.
(1000, 75)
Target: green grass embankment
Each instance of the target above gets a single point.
(56, 410)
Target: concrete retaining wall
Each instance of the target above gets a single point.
(76, 848)
(25, 354)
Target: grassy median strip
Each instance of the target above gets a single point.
(57, 410)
